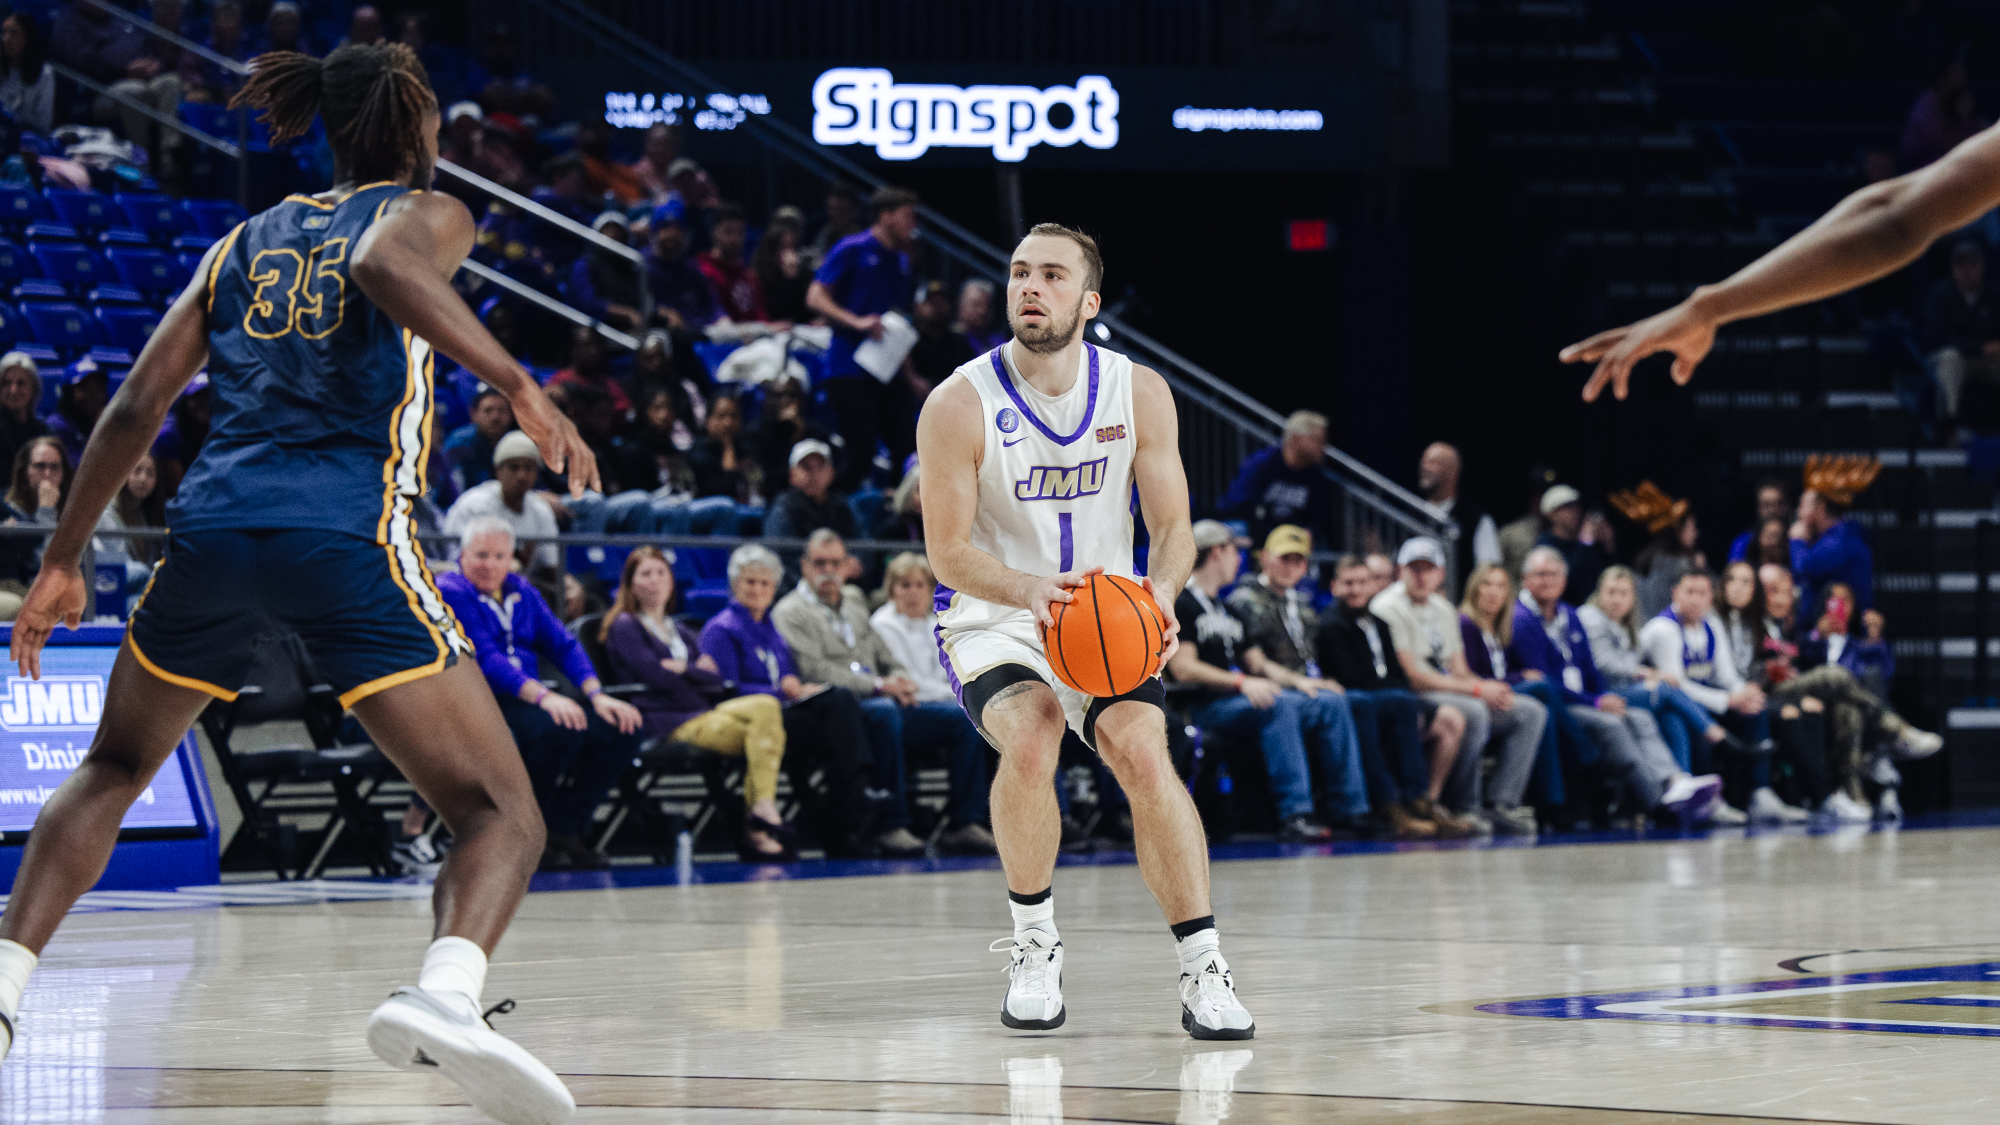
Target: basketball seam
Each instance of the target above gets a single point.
(1103, 646)
(1143, 618)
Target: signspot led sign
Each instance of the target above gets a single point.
(904, 120)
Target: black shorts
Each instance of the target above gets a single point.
(975, 695)
(369, 614)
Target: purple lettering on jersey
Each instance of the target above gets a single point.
(1063, 482)
(1067, 543)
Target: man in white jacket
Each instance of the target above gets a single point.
(1690, 648)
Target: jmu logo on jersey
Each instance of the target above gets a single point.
(1055, 482)
(52, 703)
(1110, 433)
(1007, 420)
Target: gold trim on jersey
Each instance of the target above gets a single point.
(221, 252)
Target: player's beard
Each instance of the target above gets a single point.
(1052, 335)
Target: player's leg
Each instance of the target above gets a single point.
(1130, 734)
(144, 719)
(1020, 715)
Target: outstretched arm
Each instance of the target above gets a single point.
(404, 264)
(948, 448)
(126, 429)
(1163, 496)
(1871, 233)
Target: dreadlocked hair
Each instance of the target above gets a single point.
(373, 98)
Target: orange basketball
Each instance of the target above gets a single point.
(1108, 641)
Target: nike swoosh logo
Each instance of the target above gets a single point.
(1015, 442)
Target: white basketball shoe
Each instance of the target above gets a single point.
(1209, 1007)
(1034, 981)
(419, 1031)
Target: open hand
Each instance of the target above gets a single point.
(57, 595)
(562, 448)
(1055, 590)
(1679, 330)
(617, 712)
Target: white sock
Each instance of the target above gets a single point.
(453, 964)
(15, 965)
(1040, 916)
(1196, 946)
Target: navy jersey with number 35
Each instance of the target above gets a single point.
(321, 409)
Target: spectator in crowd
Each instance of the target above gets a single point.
(1562, 507)
(1773, 544)
(1777, 655)
(115, 53)
(139, 504)
(35, 496)
(1674, 549)
(1518, 536)
(566, 190)
(653, 366)
(939, 351)
(469, 450)
(1486, 632)
(687, 700)
(864, 277)
(823, 725)
(1826, 545)
(653, 455)
(735, 283)
(1356, 649)
(284, 29)
(1286, 484)
(574, 756)
(1381, 572)
(605, 175)
(1774, 502)
(1743, 616)
(698, 192)
(978, 320)
(1437, 478)
(1550, 643)
(605, 283)
(84, 395)
(500, 84)
(682, 299)
(211, 81)
(1425, 627)
(811, 502)
(478, 146)
(662, 148)
(843, 220)
(590, 367)
(27, 88)
(1961, 328)
(1300, 735)
(781, 268)
(782, 425)
(509, 497)
(1611, 621)
(826, 623)
(20, 393)
(1690, 650)
(725, 464)
(364, 26)
(906, 508)
(1941, 117)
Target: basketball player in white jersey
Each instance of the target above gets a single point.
(1030, 455)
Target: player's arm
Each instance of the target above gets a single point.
(951, 496)
(1163, 495)
(126, 429)
(404, 264)
(1872, 233)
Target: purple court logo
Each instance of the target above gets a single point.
(1057, 482)
(1935, 1000)
(1007, 420)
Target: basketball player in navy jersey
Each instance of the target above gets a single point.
(1870, 234)
(1015, 520)
(317, 320)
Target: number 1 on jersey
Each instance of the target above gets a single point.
(1068, 541)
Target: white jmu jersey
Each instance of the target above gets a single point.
(1055, 481)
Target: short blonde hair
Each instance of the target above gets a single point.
(905, 565)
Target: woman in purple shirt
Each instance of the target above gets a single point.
(643, 644)
(822, 722)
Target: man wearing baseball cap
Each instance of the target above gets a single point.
(811, 502)
(1425, 628)
(510, 498)
(1562, 507)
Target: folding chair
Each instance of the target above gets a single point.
(284, 687)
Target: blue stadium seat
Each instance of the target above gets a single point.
(84, 210)
(53, 232)
(114, 358)
(212, 217)
(116, 295)
(124, 236)
(35, 288)
(152, 213)
(705, 601)
(61, 324)
(189, 261)
(71, 263)
(148, 270)
(199, 243)
(21, 205)
(127, 326)
(15, 263)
